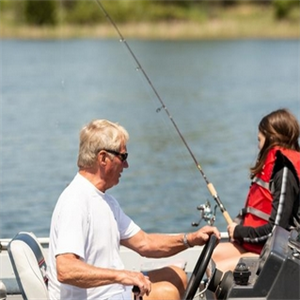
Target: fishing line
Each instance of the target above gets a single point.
(139, 67)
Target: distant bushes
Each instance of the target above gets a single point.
(41, 12)
(52, 12)
(87, 12)
(284, 7)
(82, 12)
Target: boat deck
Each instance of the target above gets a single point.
(132, 261)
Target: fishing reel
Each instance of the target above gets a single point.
(206, 214)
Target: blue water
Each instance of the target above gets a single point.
(216, 92)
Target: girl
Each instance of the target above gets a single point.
(274, 194)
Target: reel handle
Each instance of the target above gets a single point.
(136, 289)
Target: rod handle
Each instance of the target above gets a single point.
(227, 217)
(211, 189)
(225, 213)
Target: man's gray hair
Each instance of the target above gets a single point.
(98, 135)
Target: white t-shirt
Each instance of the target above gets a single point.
(90, 224)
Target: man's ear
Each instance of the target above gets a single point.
(102, 155)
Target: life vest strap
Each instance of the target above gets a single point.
(255, 212)
(262, 183)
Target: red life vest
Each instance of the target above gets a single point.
(260, 198)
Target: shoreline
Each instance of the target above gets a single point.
(214, 30)
(244, 21)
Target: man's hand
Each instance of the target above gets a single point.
(141, 282)
(200, 237)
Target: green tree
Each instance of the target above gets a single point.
(283, 7)
(41, 12)
(68, 4)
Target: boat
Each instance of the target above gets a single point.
(274, 275)
(131, 260)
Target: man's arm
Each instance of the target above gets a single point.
(163, 245)
(71, 270)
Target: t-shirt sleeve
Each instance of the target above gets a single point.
(72, 231)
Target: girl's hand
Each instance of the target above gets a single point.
(230, 230)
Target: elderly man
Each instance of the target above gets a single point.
(88, 226)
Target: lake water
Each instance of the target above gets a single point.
(216, 92)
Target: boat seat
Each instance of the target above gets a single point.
(29, 265)
(3, 291)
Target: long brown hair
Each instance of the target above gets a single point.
(280, 128)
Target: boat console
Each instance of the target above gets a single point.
(274, 275)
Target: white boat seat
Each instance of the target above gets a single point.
(27, 259)
(3, 291)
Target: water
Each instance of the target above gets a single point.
(216, 92)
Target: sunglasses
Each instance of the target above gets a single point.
(122, 156)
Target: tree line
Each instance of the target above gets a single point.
(53, 12)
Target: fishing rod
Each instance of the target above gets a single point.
(210, 186)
